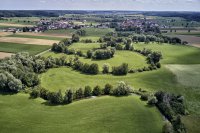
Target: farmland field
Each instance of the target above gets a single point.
(36, 37)
(28, 41)
(125, 114)
(15, 47)
(3, 55)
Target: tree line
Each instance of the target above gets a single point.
(122, 89)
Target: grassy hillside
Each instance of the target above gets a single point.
(104, 114)
(15, 47)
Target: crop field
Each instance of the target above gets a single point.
(15, 47)
(36, 37)
(28, 41)
(14, 25)
(3, 55)
(187, 75)
(124, 114)
(5, 34)
(191, 39)
(62, 32)
(96, 32)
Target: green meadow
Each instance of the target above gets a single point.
(15, 48)
(104, 114)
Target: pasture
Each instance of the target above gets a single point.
(111, 114)
(16, 47)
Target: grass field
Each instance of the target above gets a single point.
(67, 32)
(174, 54)
(187, 75)
(93, 38)
(84, 47)
(104, 114)
(162, 79)
(15, 47)
(36, 37)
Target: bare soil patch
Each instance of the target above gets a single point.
(4, 54)
(27, 40)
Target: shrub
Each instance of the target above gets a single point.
(154, 58)
(94, 68)
(122, 89)
(55, 97)
(106, 68)
(96, 91)
(167, 128)
(152, 101)
(68, 98)
(35, 93)
(119, 47)
(87, 91)
(103, 54)
(120, 70)
(89, 53)
(75, 38)
(144, 97)
(108, 89)
(79, 93)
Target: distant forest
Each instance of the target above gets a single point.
(194, 16)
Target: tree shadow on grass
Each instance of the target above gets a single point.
(7, 93)
(47, 103)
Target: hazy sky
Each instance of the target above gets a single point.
(142, 5)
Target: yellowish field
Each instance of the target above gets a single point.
(14, 25)
(43, 34)
(3, 55)
(27, 40)
(5, 33)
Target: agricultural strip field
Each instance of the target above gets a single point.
(14, 25)
(15, 47)
(36, 37)
(3, 55)
(113, 114)
(5, 33)
(28, 41)
(192, 40)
